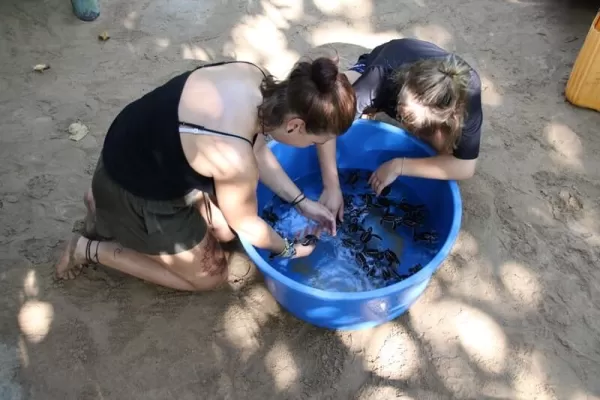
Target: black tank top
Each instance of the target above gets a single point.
(142, 150)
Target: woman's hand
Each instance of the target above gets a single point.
(333, 200)
(384, 175)
(303, 250)
(318, 213)
(300, 247)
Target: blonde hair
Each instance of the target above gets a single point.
(432, 98)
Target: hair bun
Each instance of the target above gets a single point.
(324, 73)
(447, 70)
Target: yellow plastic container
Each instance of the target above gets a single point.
(583, 87)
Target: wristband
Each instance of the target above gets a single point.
(298, 199)
(288, 251)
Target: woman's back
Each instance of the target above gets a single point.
(144, 151)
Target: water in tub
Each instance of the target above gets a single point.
(383, 239)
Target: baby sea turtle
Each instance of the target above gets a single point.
(406, 207)
(373, 253)
(392, 219)
(389, 273)
(368, 199)
(309, 240)
(368, 234)
(415, 268)
(430, 237)
(353, 226)
(270, 216)
(386, 191)
(418, 216)
(391, 257)
(347, 242)
(356, 212)
(361, 260)
(348, 201)
(386, 273)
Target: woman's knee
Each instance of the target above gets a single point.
(210, 283)
(223, 233)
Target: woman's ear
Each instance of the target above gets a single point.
(295, 125)
(291, 126)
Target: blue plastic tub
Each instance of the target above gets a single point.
(366, 145)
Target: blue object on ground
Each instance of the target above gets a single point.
(366, 145)
(86, 10)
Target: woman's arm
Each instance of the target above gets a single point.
(236, 195)
(271, 172)
(275, 178)
(366, 88)
(443, 167)
(446, 167)
(328, 164)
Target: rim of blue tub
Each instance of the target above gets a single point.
(425, 273)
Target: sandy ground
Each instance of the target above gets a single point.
(514, 313)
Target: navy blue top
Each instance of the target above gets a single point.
(374, 89)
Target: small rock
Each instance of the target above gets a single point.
(569, 201)
(77, 131)
(574, 203)
(41, 67)
(11, 198)
(104, 36)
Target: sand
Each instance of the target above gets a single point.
(514, 313)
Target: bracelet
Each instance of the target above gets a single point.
(288, 251)
(402, 166)
(298, 199)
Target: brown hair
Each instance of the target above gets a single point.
(432, 98)
(314, 91)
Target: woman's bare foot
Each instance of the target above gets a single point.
(90, 217)
(73, 259)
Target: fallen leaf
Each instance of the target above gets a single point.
(78, 131)
(104, 36)
(41, 67)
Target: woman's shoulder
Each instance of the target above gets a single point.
(474, 90)
(224, 100)
(397, 52)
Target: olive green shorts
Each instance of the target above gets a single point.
(147, 226)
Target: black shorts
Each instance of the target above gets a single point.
(147, 226)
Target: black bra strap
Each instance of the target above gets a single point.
(202, 128)
(225, 133)
(216, 64)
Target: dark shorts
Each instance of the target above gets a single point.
(360, 64)
(147, 226)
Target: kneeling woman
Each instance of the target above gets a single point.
(181, 165)
(434, 95)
